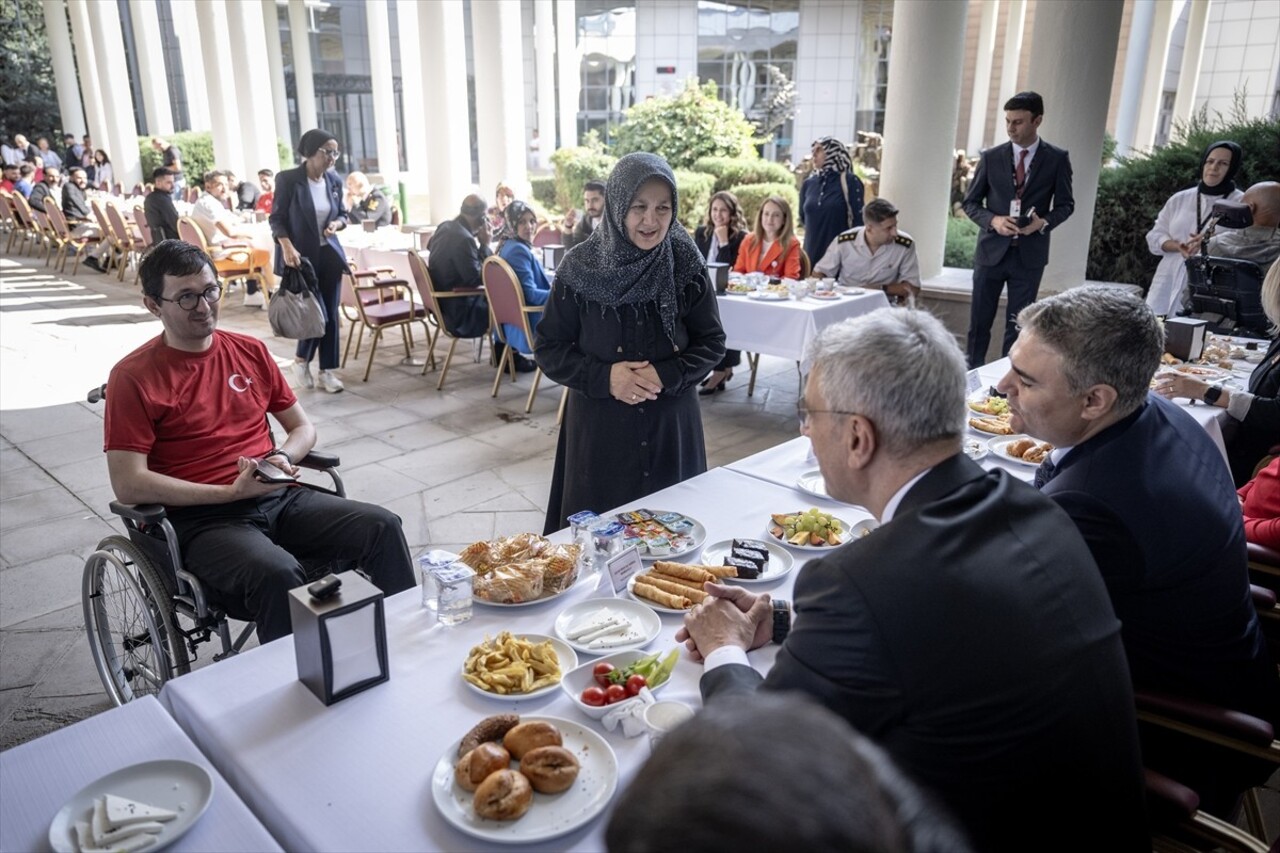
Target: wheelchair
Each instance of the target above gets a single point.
(145, 615)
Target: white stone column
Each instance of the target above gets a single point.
(122, 130)
(982, 75)
(90, 83)
(384, 96)
(1135, 66)
(192, 53)
(224, 105)
(920, 117)
(257, 114)
(275, 66)
(70, 107)
(544, 34)
(1184, 102)
(500, 131)
(1157, 57)
(152, 78)
(569, 70)
(1074, 58)
(1012, 56)
(413, 123)
(442, 41)
(303, 80)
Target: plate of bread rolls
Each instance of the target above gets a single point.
(1022, 449)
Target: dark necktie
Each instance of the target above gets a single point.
(1045, 472)
(1021, 174)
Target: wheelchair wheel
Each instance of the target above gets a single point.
(128, 614)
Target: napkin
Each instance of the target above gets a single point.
(629, 714)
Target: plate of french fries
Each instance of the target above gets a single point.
(511, 667)
(670, 587)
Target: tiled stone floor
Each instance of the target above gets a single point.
(456, 465)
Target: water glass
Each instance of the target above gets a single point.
(455, 583)
(427, 564)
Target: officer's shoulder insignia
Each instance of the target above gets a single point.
(851, 234)
(904, 241)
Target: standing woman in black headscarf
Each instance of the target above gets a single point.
(1183, 216)
(830, 198)
(306, 216)
(631, 328)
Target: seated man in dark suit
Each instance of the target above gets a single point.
(458, 249)
(1149, 491)
(970, 635)
(787, 774)
(575, 229)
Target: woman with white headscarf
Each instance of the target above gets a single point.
(631, 328)
(830, 198)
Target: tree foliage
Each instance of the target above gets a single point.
(693, 124)
(26, 74)
(1131, 194)
(197, 156)
(575, 166)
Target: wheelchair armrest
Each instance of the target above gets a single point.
(140, 513)
(318, 460)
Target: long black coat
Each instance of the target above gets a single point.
(610, 453)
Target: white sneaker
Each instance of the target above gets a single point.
(330, 382)
(302, 373)
(254, 300)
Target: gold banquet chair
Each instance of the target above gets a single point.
(507, 305)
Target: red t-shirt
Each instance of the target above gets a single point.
(264, 202)
(194, 414)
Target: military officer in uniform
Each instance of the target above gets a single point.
(874, 255)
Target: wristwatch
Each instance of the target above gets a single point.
(1211, 396)
(781, 619)
(279, 453)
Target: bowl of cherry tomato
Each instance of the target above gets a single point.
(599, 685)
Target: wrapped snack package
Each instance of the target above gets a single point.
(510, 584)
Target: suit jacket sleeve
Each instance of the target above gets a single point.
(1064, 203)
(834, 652)
(1117, 553)
(975, 200)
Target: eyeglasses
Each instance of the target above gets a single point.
(188, 301)
(803, 411)
(331, 153)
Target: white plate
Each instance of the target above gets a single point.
(825, 298)
(844, 536)
(540, 600)
(970, 423)
(550, 815)
(811, 483)
(974, 449)
(179, 786)
(643, 621)
(766, 296)
(568, 660)
(697, 536)
(583, 677)
(998, 446)
(653, 605)
(1196, 371)
(779, 566)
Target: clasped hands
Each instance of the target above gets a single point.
(728, 616)
(1007, 226)
(634, 382)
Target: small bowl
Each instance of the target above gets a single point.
(664, 717)
(576, 680)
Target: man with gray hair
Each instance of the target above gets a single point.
(1150, 493)
(458, 249)
(970, 635)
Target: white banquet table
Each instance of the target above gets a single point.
(357, 775)
(785, 328)
(38, 777)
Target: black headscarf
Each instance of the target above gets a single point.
(312, 141)
(1227, 186)
(608, 269)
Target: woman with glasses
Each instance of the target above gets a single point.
(306, 216)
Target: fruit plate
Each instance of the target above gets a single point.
(550, 815)
(568, 660)
(178, 786)
(779, 566)
(645, 623)
(579, 679)
(844, 535)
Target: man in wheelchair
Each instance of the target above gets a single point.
(186, 426)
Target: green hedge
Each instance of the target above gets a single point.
(543, 189)
(733, 172)
(686, 127)
(751, 196)
(1131, 194)
(962, 240)
(574, 167)
(197, 155)
(695, 189)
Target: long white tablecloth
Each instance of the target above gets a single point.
(356, 775)
(785, 328)
(37, 778)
